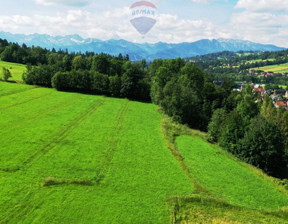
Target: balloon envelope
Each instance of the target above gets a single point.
(143, 24)
(143, 16)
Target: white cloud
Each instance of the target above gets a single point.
(263, 5)
(63, 2)
(108, 25)
(170, 28)
(202, 1)
(259, 26)
(261, 21)
(206, 1)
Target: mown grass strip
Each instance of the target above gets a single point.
(228, 178)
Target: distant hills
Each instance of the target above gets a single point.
(136, 51)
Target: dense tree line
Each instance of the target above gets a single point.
(253, 131)
(13, 52)
(98, 74)
(94, 73)
(185, 92)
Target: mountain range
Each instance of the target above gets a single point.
(136, 51)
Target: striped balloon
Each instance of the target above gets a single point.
(143, 16)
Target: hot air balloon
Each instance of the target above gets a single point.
(143, 16)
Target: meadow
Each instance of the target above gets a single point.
(15, 69)
(75, 158)
(282, 68)
(72, 158)
(235, 188)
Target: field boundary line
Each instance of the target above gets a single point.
(25, 101)
(64, 133)
(58, 137)
(21, 209)
(40, 114)
(170, 132)
(18, 91)
(113, 140)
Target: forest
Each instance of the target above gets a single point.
(243, 123)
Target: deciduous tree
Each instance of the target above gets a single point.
(6, 74)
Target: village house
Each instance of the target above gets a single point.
(281, 103)
(267, 74)
(259, 90)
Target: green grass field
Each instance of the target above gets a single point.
(198, 209)
(225, 178)
(74, 158)
(274, 68)
(15, 69)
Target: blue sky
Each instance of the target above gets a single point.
(263, 21)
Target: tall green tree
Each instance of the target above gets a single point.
(61, 81)
(248, 107)
(268, 109)
(263, 146)
(278, 116)
(99, 83)
(232, 132)
(115, 86)
(6, 74)
(183, 99)
(130, 83)
(101, 64)
(216, 125)
(159, 80)
(79, 63)
(67, 63)
(282, 122)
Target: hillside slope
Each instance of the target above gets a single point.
(74, 158)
